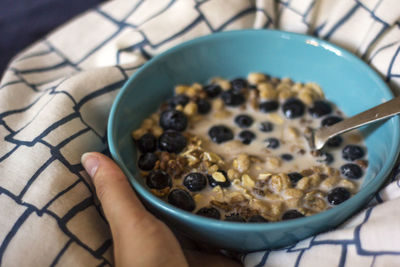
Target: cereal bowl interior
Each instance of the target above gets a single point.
(346, 81)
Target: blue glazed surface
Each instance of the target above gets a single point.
(345, 79)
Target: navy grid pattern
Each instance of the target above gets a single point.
(47, 82)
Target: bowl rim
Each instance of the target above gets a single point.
(363, 195)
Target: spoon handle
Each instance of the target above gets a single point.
(382, 111)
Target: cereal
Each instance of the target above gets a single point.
(241, 149)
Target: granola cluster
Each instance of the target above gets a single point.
(236, 150)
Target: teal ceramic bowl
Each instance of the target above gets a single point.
(345, 79)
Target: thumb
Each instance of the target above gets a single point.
(114, 191)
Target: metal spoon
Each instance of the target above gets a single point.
(318, 138)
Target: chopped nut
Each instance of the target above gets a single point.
(147, 124)
(329, 183)
(293, 203)
(190, 109)
(233, 174)
(273, 162)
(347, 184)
(285, 94)
(155, 117)
(181, 89)
(214, 168)
(315, 88)
(275, 118)
(293, 193)
(233, 145)
(156, 131)
(138, 133)
(253, 99)
(286, 80)
(224, 84)
(304, 183)
(197, 86)
(333, 172)
(179, 107)
(297, 87)
(247, 181)
(191, 92)
(276, 208)
(279, 182)
(218, 104)
(283, 87)
(267, 91)
(218, 194)
(212, 157)
(315, 180)
(314, 200)
(218, 176)
(255, 77)
(306, 96)
(292, 133)
(264, 176)
(242, 163)
(222, 114)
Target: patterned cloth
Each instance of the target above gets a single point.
(55, 98)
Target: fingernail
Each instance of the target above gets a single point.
(90, 162)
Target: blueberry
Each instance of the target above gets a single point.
(181, 199)
(179, 99)
(212, 90)
(351, 171)
(147, 143)
(335, 141)
(352, 152)
(147, 161)
(243, 120)
(238, 84)
(293, 108)
(257, 219)
(234, 218)
(338, 195)
(220, 134)
(172, 141)
(287, 157)
(213, 183)
(158, 180)
(246, 137)
(326, 158)
(203, 106)
(331, 120)
(209, 213)
(320, 108)
(269, 106)
(291, 214)
(266, 127)
(195, 181)
(272, 142)
(173, 120)
(232, 98)
(295, 177)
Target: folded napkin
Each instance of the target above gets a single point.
(55, 98)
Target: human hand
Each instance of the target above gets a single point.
(139, 238)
